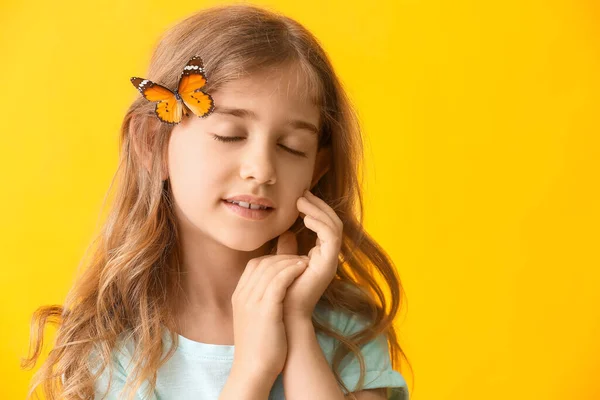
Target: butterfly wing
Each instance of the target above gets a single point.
(170, 112)
(168, 109)
(191, 82)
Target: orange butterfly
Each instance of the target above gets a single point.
(172, 105)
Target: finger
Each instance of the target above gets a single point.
(261, 285)
(314, 211)
(253, 271)
(324, 231)
(277, 290)
(324, 206)
(250, 267)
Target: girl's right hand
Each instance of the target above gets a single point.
(257, 303)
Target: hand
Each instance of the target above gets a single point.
(304, 293)
(258, 327)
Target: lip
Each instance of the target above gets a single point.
(261, 201)
(247, 212)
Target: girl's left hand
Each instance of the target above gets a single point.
(304, 293)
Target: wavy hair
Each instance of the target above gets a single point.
(134, 268)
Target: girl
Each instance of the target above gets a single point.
(187, 269)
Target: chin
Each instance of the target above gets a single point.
(247, 244)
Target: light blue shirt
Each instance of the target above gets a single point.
(198, 371)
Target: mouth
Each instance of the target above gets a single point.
(251, 212)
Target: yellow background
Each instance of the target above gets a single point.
(483, 169)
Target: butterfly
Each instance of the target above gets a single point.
(172, 105)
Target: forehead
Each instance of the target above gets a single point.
(276, 88)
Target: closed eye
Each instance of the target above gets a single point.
(238, 138)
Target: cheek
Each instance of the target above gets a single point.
(194, 171)
(190, 159)
(293, 183)
(296, 177)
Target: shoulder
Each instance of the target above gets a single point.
(121, 353)
(377, 362)
(342, 321)
(111, 379)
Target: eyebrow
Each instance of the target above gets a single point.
(243, 113)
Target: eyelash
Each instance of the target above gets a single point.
(236, 139)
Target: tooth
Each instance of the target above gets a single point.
(249, 205)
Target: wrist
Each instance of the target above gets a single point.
(247, 384)
(297, 320)
(297, 316)
(298, 327)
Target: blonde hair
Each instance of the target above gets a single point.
(135, 269)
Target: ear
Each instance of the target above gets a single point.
(142, 129)
(322, 164)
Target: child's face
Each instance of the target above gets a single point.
(204, 171)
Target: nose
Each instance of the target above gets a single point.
(257, 162)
